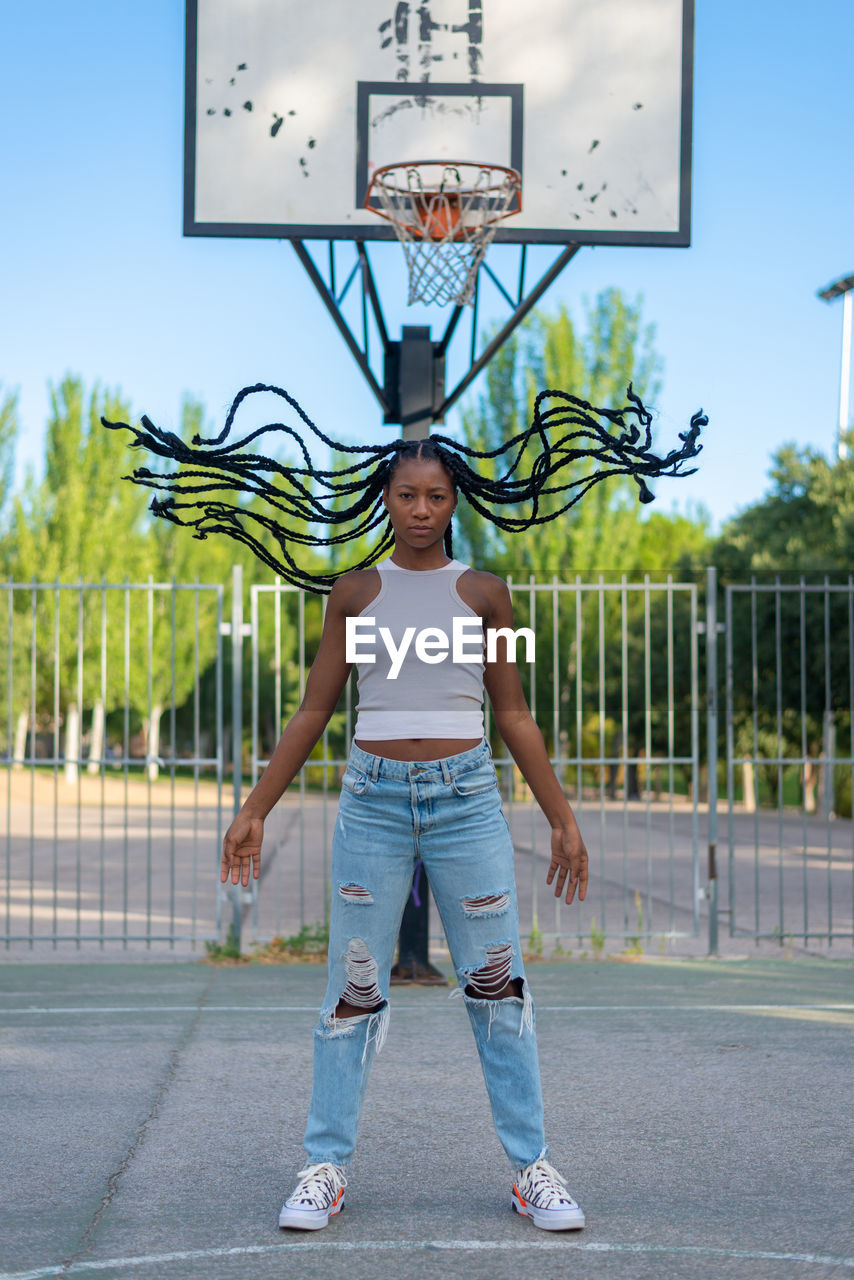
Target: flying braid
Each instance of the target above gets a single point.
(276, 507)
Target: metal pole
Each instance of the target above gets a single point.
(712, 748)
(845, 382)
(843, 288)
(236, 724)
(417, 372)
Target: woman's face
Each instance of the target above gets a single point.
(420, 501)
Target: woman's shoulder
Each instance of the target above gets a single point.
(481, 590)
(354, 590)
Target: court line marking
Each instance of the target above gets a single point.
(414, 1008)
(430, 1246)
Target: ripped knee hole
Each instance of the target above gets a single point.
(493, 981)
(361, 991)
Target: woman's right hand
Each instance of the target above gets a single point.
(241, 849)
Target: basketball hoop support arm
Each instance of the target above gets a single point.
(413, 389)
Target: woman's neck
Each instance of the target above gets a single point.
(416, 558)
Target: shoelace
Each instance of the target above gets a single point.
(318, 1185)
(540, 1181)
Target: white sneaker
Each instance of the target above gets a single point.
(539, 1194)
(317, 1197)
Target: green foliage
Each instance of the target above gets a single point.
(635, 947)
(9, 427)
(607, 531)
(804, 524)
(217, 952)
(597, 939)
(78, 523)
(795, 650)
(535, 940)
(310, 943)
(81, 523)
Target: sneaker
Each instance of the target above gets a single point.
(539, 1193)
(317, 1197)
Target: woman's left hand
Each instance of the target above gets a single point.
(568, 867)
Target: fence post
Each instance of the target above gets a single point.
(712, 748)
(237, 726)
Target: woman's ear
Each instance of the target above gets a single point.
(385, 497)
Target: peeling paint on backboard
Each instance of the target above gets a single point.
(601, 111)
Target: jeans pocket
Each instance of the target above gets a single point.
(354, 781)
(475, 781)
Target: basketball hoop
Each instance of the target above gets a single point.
(445, 214)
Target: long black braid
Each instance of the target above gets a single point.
(348, 499)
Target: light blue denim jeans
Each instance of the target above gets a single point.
(447, 813)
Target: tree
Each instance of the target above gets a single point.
(614, 350)
(8, 436)
(804, 525)
(69, 526)
(793, 648)
(83, 524)
(606, 532)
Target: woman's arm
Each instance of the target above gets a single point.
(513, 719)
(241, 847)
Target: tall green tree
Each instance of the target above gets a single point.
(82, 523)
(74, 524)
(803, 525)
(8, 435)
(614, 348)
(793, 650)
(606, 532)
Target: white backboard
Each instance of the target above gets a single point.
(291, 105)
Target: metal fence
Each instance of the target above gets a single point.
(111, 740)
(130, 730)
(614, 689)
(790, 760)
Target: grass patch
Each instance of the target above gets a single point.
(309, 946)
(227, 952)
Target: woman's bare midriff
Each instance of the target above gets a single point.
(410, 749)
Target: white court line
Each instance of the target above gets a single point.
(415, 1008)
(431, 1246)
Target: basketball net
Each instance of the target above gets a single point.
(445, 214)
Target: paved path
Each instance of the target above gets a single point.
(117, 873)
(151, 1118)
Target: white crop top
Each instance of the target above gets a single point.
(418, 691)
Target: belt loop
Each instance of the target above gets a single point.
(446, 773)
(375, 768)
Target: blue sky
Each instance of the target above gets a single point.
(96, 278)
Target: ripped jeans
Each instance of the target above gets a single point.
(447, 812)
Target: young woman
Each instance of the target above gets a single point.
(420, 783)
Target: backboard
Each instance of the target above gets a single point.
(292, 104)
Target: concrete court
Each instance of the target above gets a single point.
(152, 1116)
